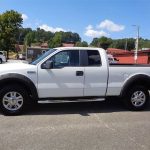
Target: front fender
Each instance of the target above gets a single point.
(12, 78)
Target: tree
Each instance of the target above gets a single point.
(29, 39)
(38, 36)
(84, 44)
(102, 42)
(42, 35)
(94, 42)
(22, 34)
(10, 22)
(128, 44)
(63, 37)
(81, 44)
(70, 37)
(56, 41)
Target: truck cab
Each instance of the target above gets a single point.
(73, 73)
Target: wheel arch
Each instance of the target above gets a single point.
(140, 79)
(25, 82)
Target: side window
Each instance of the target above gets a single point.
(93, 58)
(66, 58)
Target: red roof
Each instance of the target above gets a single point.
(44, 45)
(68, 44)
(117, 51)
(125, 56)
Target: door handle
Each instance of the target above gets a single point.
(79, 73)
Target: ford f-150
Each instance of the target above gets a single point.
(72, 74)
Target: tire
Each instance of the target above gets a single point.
(137, 98)
(1, 61)
(13, 99)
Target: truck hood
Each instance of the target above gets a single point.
(16, 68)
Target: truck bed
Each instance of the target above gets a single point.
(129, 65)
(119, 74)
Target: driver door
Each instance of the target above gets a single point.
(64, 79)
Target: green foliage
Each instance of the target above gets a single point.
(81, 44)
(11, 32)
(53, 39)
(102, 42)
(84, 44)
(63, 37)
(56, 41)
(22, 34)
(128, 44)
(36, 36)
(42, 35)
(144, 43)
(29, 38)
(95, 42)
(70, 37)
(10, 22)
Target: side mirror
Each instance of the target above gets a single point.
(47, 65)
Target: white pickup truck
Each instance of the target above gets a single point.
(72, 74)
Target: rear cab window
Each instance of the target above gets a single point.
(90, 58)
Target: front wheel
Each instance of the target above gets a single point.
(13, 100)
(137, 98)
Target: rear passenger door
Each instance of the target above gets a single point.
(95, 72)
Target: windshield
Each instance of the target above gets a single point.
(41, 57)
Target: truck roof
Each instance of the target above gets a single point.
(80, 48)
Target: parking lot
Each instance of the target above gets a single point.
(16, 61)
(77, 126)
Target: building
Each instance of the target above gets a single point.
(69, 44)
(44, 45)
(127, 57)
(33, 52)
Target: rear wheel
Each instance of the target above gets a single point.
(137, 98)
(13, 100)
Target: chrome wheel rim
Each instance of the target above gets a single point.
(138, 98)
(12, 101)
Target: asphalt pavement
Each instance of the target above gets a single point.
(77, 126)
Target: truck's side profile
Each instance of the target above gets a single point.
(72, 74)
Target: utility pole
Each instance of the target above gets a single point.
(126, 44)
(136, 45)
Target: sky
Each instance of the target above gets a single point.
(89, 18)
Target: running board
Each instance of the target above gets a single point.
(70, 101)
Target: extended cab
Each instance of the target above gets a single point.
(72, 74)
